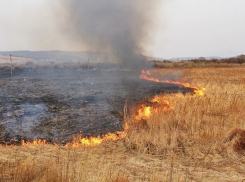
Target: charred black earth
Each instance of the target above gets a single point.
(58, 104)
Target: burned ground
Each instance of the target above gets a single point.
(58, 104)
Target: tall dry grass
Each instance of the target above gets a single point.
(201, 139)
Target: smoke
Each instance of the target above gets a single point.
(121, 28)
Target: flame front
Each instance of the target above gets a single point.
(94, 141)
(144, 112)
(198, 91)
(34, 142)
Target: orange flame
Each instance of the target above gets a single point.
(34, 142)
(94, 141)
(198, 91)
(81, 141)
(145, 112)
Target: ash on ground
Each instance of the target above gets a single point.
(56, 105)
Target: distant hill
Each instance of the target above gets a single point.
(56, 56)
(40, 57)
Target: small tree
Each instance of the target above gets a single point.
(202, 59)
(241, 58)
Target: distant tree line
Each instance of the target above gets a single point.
(201, 62)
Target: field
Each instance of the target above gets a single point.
(196, 138)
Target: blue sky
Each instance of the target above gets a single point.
(184, 28)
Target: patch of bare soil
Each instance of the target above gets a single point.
(57, 104)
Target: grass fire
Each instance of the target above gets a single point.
(181, 130)
(122, 91)
(159, 103)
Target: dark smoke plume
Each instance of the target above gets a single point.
(118, 27)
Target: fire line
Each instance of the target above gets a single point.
(145, 112)
(159, 103)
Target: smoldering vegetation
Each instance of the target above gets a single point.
(63, 101)
(120, 28)
(58, 103)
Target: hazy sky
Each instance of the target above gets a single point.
(184, 28)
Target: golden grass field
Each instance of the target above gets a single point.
(201, 139)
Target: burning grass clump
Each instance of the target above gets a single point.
(156, 135)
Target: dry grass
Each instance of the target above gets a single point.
(201, 139)
(201, 63)
(192, 64)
